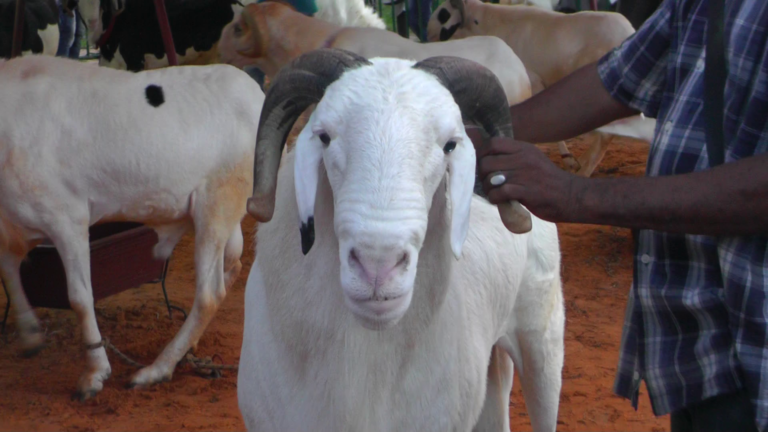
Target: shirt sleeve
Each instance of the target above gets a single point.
(635, 72)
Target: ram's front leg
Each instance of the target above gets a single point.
(571, 164)
(495, 414)
(212, 285)
(71, 240)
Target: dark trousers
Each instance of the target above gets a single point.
(723, 413)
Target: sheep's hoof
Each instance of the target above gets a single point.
(32, 351)
(32, 342)
(82, 396)
(147, 377)
(90, 384)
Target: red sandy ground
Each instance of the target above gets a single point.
(36, 392)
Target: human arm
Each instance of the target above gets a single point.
(628, 80)
(731, 199)
(575, 105)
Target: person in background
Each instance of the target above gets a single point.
(696, 325)
(71, 31)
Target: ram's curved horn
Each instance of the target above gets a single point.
(480, 96)
(298, 85)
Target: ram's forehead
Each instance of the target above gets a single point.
(389, 83)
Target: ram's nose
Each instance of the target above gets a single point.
(377, 267)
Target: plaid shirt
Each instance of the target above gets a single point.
(697, 313)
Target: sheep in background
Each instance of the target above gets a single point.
(348, 13)
(269, 35)
(128, 34)
(543, 4)
(384, 295)
(171, 148)
(551, 45)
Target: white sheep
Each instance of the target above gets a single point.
(80, 145)
(405, 301)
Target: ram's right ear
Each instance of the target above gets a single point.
(306, 172)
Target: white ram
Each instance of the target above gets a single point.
(79, 145)
(408, 299)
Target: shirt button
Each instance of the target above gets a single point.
(645, 259)
(668, 126)
(700, 65)
(636, 376)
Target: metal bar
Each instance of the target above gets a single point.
(165, 293)
(407, 18)
(165, 30)
(18, 27)
(593, 5)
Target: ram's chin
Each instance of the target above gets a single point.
(379, 314)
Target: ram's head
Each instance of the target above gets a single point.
(388, 132)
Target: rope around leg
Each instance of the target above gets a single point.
(196, 362)
(127, 360)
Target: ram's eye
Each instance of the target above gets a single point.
(449, 146)
(325, 138)
(237, 30)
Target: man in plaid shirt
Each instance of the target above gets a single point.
(697, 314)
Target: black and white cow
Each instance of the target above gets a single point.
(41, 27)
(128, 34)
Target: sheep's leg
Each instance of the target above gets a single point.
(32, 340)
(232, 253)
(168, 236)
(538, 351)
(570, 162)
(592, 157)
(495, 414)
(72, 245)
(210, 245)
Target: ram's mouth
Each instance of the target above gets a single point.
(379, 314)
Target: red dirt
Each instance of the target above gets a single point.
(36, 392)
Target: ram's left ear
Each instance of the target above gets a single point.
(461, 166)
(309, 153)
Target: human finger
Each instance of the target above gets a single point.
(493, 163)
(506, 192)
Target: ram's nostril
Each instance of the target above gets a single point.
(403, 261)
(353, 258)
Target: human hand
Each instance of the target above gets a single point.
(530, 178)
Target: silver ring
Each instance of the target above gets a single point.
(498, 179)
